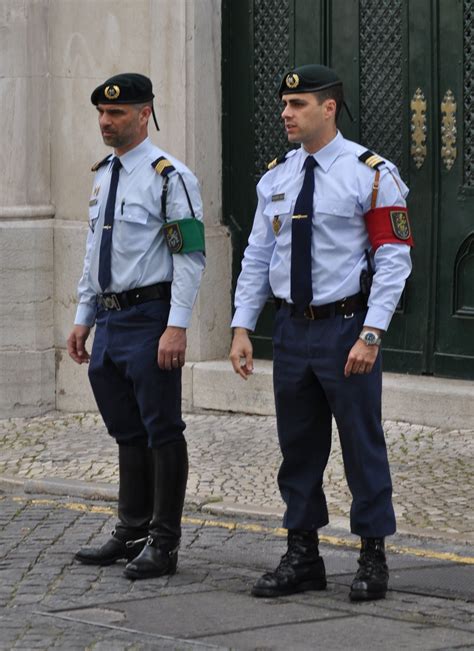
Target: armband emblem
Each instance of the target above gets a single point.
(173, 236)
(400, 224)
(388, 225)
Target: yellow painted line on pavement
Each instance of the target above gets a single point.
(257, 528)
(332, 540)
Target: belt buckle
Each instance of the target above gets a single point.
(111, 302)
(309, 313)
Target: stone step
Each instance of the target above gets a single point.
(437, 402)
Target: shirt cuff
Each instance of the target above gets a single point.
(179, 317)
(245, 317)
(85, 314)
(378, 317)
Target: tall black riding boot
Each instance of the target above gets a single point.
(135, 509)
(300, 569)
(371, 579)
(160, 554)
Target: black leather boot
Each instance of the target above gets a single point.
(300, 569)
(135, 508)
(160, 554)
(371, 580)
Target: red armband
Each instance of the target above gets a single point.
(388, 225)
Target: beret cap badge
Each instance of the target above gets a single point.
(112, 92)
(292, 80)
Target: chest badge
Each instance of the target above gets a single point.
(276, 223)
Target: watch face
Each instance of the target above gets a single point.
(370, 338)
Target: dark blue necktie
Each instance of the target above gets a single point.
(301, 235)
(106, 240)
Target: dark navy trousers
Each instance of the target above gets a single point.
(139, 402)
(310, 387)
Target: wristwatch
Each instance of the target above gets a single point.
(371, 338)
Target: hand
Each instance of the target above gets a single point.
(172, 348)
(361, 359)
(76, 344)
(241, 350)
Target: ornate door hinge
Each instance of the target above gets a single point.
(448, 130)
(418, 128)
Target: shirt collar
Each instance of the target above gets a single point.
(131, 159)
(326, 156)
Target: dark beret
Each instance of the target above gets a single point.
(308, 79)
(126, 88)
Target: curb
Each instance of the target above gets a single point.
(204, 504)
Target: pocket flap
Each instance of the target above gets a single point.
(335, 207)
(134, 214)
(278, 208)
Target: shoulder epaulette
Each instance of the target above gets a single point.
(276, 161)
(100, 163)
(163, 166)
(371, 159)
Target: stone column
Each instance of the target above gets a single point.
(89, 41)
(186, 71)
(27, 364)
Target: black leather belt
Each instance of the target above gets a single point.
(122, 300)
(347, 307)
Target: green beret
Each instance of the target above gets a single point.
(308, 79)
(126, 88)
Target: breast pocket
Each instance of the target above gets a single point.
(279, 213)
(336, 208)
(93, 216)
(133, 215)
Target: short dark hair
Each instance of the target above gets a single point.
(142, 105)
(335, 92)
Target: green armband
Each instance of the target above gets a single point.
(185, 235)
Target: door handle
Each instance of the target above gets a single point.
(418, 127)
(448, 129)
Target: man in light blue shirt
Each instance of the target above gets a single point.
(331, 241)
(142, 270)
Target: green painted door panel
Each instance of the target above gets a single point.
(386, 52)
(453, 300)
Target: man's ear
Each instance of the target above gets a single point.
(330, 107)
(145, 113)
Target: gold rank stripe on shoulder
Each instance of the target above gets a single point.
(276, 161)
(99, 163)
(163, 166)
(372, 160)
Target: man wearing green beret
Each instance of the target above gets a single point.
(142, 270)
(331, 241)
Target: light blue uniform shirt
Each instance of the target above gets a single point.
(343, 194)
(140, 256)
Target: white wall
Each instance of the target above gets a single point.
(52, 55)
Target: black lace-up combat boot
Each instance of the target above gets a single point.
(371, 580)
(160, 554)
(300, 569)
(135, 508)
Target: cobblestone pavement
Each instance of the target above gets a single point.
(234, 460)
(48, 601)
